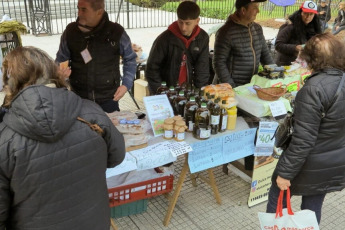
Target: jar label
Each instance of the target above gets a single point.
(180, 136)
(205, 133)
(224, 122)
(191, 126)
(215, 119)
(168, 133)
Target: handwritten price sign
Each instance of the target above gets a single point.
(265, 139)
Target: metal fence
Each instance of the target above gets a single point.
(52, 16)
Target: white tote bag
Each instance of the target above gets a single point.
(286, 219)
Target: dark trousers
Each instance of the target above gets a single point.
(313, 203)
(110, 106)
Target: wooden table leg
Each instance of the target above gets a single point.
(214, 186)
(193, 179)
(177, 191)
(113, 225)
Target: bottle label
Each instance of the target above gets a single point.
(168, 133)
(205, 133)
(215, 119)
(204, 114)
(224, 122)
(190, 126)
(180, 136)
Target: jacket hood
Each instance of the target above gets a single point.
(42, 113)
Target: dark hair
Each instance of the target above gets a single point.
(25, 66)
(188, 10)
(324, 51)
(300, 28)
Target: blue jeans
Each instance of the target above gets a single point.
(334, 32)
(313, 203)
(110, 106)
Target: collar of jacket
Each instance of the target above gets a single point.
(328, 71)
(105, 18)
(176, 31)
(236, 19)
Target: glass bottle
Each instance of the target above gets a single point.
(179, 103)
(223, 117)
(171, 94)
(215, 117)
(163, 89)
(189, 113)
(202, 130)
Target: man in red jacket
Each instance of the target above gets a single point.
(180, 55)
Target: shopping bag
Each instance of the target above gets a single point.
(286, 218)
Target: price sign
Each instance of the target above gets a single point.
(277, 108)
(265, 139)
(178, 148)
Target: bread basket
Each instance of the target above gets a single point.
(271, 93)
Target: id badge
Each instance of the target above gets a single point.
(86, 55)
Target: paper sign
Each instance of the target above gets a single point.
(179, 148)
(220, 150)
(153, 156)
(277, 108)
(128, 164)
(158, 109)
(265, 140)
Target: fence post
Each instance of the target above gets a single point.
(40, 17)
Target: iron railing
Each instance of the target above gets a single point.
(52, 16)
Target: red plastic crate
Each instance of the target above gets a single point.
(141, 190)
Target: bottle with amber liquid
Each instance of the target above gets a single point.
(163, 89)
(179, 103)
(215, 111)
(202, 130)
(189, 113)
(172, 94)
(223, 117)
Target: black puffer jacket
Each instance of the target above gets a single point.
(238, 51)
(52, 166)
(315, 158)
(165, 58)
(291, 34)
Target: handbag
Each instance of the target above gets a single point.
(286, 218)
(284, 131)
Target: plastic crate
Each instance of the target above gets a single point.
(128, 209)
(141, 190)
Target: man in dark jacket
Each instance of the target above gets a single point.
(94, 45)
(181, 53)
(240, 45)
(324, 12)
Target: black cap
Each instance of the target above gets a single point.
(241, 3)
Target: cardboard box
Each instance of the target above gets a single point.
(141, 89)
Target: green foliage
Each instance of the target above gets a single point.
(135, 2)
(149, 3)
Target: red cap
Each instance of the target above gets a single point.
(309, 7)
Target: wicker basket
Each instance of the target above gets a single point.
(271, 93)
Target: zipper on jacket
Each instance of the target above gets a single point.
(251, 46)
(93, 95)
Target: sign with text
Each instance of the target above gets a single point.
(220, 150)
(153, 156)
(277, 108)
(158, 109)
(128, 164)
(265, 138)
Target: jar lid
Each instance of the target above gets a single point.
(169, 121)
(180, 123)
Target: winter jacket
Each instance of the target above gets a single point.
(288, 39)
(238, 51)
(165, 58)
(52, 166)
(340, 19)
(327, 15)
(98, 79)
(315, 159)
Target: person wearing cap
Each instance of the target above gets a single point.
(180, 55)
(339, 22)
(240, 45)
(301, 26)
(324, 12)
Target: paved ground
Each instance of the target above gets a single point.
(196, 207)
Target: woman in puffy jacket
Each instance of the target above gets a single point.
(302, 25)
(52, 166)
(314, 162)
(339, 22)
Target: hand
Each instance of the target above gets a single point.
(336, 28)
(322, 12)
(299, 48)
(120, 92)
(65, 72)
(282, 183)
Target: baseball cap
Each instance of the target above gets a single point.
(323, 1)
(241, 3)
(309, 7)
